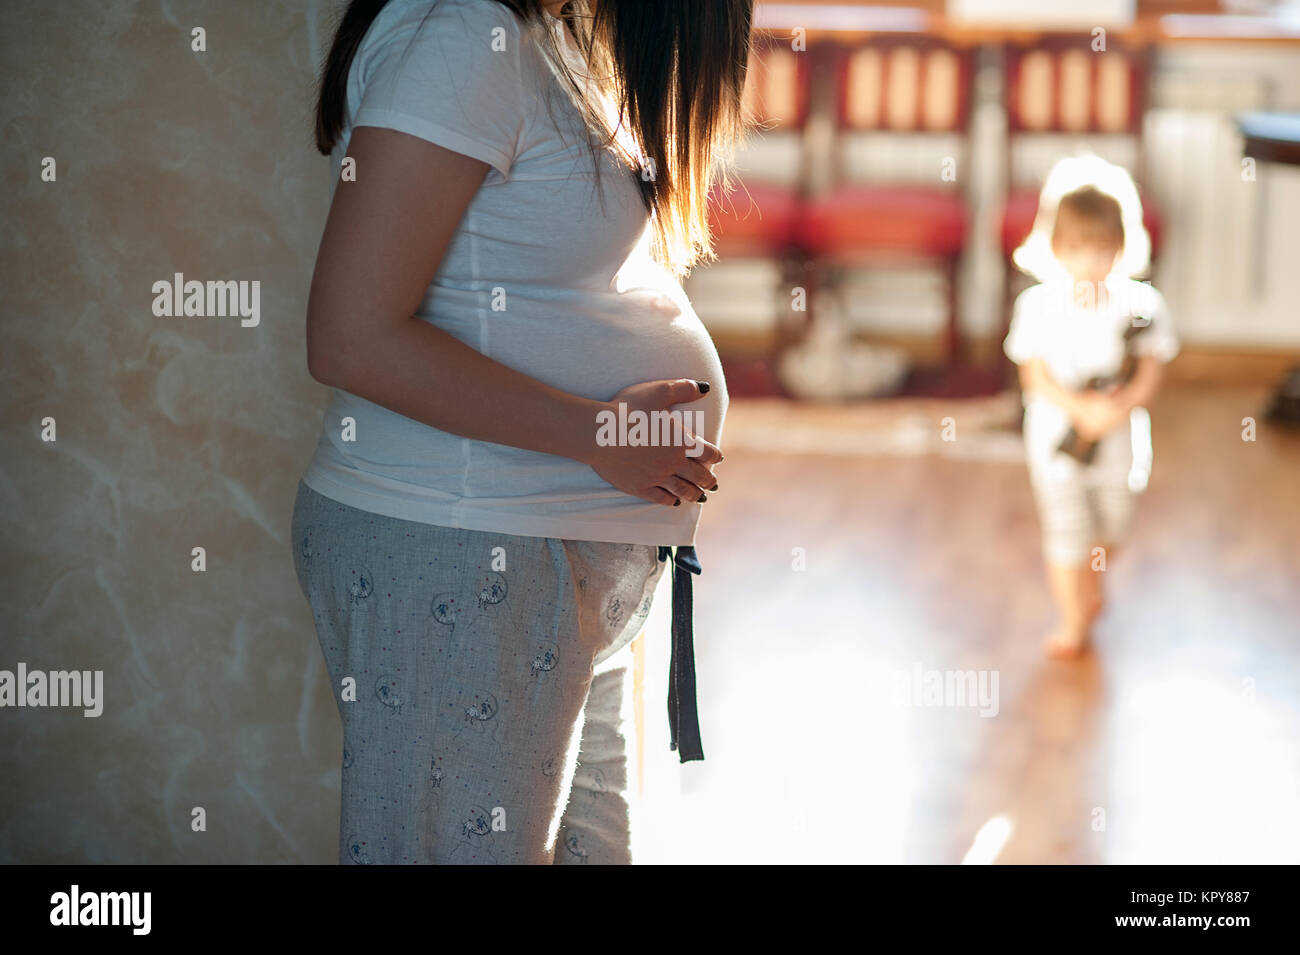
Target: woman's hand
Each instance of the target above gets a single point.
(661, 474)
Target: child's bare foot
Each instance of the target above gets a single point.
(1066, 643)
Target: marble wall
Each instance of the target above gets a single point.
(129, 157)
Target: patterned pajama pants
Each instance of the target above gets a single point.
(480, 683)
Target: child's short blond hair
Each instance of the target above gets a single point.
(1081, 176)
(1090, 216)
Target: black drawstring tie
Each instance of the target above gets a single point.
(683, 718)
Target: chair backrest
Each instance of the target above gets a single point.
(777, 83)
(903, 84)
(1063, 96)
(1059, 84)
(777, 93)
(902, 108)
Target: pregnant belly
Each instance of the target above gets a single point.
(596, 345)
(585, 347)
(680, 348)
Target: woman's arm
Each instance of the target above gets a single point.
(384, 239)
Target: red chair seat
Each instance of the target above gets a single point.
(1022, 206)
(905, 218)
(755, 218)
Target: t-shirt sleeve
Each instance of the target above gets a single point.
(449, 74)
(1025, 336)
(1160, 340)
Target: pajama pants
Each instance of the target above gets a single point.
(480, 684)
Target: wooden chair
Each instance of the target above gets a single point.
(898, 87)
(756, 225)
(760, 217)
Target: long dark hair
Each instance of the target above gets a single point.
(674, 71)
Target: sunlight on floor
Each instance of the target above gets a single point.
(1205, 773)
(989, 841)
(818, 766)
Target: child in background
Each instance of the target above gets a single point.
(1075, 326)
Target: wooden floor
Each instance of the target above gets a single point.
(1177, 741)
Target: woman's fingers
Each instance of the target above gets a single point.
(708, 452)
(657, 495)
(681, 390)
(688, 484)
(684, 490)
(691, 470)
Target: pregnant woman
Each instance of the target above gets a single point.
(518, 186)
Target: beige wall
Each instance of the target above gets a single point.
(172, 433)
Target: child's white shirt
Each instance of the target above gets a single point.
(1077, 342)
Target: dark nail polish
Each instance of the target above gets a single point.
(703, 498)
(714, 488)
(677, 503)
(704, 387)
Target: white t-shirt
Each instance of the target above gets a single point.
(538, 277)
(1049, 321)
